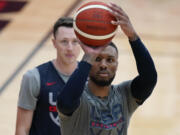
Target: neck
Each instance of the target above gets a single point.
(65, 68)
(99, 91)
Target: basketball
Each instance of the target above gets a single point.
(92, 24)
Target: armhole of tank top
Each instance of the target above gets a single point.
(38, 97)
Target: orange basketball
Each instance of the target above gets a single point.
(92, 24)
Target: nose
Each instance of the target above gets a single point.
(103, 65)
(70, 46)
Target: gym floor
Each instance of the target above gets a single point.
(156, 21)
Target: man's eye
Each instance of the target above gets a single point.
(75, 42)
(64, 41)
(110, 60)
(98, 59)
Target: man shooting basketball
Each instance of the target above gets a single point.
(95, 107)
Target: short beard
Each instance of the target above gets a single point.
(102, 82)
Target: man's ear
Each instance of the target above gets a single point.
(54, 42)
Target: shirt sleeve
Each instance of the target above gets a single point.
(144, 83)
(29, 90)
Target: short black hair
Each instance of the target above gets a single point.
(114, 46)
(63, 21)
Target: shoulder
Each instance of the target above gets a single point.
(31, 82)
(126, 85)
(31, 76)
(31, 73)
(124, 89)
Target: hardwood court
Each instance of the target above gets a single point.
(157, 23)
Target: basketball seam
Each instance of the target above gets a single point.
(92, 36)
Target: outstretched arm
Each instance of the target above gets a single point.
(69, 99)
(143, 84)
